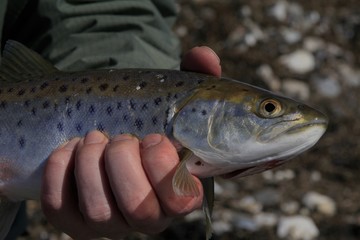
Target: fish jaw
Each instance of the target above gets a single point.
(248, 164)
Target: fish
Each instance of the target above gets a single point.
(220, 126)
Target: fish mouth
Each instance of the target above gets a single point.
(253, 169)
(285, 127)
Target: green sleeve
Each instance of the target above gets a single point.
(81, 34)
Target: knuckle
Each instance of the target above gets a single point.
(180, 206)
(96, 214)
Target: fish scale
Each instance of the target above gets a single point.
(221, 126)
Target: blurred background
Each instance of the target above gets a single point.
(309, 50)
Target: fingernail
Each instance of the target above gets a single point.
(123, 137)
(212, 51)
(94, 137)
(70, 145)
(151, 140)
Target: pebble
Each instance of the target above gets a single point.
(301, 61)
(279, 10)
(278, 176)
(267, 75)
(350, 76)
(290, 207)
(319, 202)
(268, 197)
(221, 227)
(296, 89)
(297, 228)
(327, 86)
(291, 36)
(249, 204)
(264, 219)
(313, 44)
(246, 222)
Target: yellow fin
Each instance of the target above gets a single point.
(183, 182)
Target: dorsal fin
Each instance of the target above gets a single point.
(20, 63)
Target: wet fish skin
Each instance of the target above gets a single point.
(209, 118)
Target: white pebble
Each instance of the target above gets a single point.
(313, 44)
(249, 204)
(327, 86)
(301, 61)
(350, 75)
(296, 89)
(279, 10)
(291, 36)
(221, 227)
(267, 75)
(297, 228)
(319, 202)
(290, 207)
(266, 219)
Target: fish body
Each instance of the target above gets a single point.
(223, 127)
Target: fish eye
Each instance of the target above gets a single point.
(270, 108)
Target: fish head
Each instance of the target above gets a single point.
(236, 129)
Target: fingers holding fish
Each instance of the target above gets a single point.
(96, 202)
(130, 186)
(58, 195)
(160, 160)
(201, 59)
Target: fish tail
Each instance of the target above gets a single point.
(8, 211)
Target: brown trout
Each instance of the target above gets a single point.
(220, 126)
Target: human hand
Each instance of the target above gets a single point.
(96, 187)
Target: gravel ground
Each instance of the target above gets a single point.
(305, 49)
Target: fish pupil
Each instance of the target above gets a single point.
(270, 107)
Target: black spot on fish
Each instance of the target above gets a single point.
(84, 80)
(69, 112)
(78, 105)
(142, 85)
(154, 120)
(33, 89)
(3, 104)
(119, 105)
(60, 126)
(203, 112)
(157, 101)
(19, 123)
(67, 100)
(200, 81)
(10, 90)
(63, 88)
(21, 92)
(78, 127)
(167, 111)
(91, 109)
(144, 107)
(116, 88)
(33, 111)
(126, 77)
(138, 124)
(100, 127)
(44, 85)
(168, 97)
(56, 107)
(27, 103)
(125, 117)
(103, 87)
(57, 79)
(109, 110)
(179, 84)
(132, 104)
(198, 163)
(46, 104)
(21, 142)
(193, 110)
(176, 96)
(89, 90)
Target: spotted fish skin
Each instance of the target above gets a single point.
(40, 115)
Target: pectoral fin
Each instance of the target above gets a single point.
(8, 211)
(183, 182)
(208, 203)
